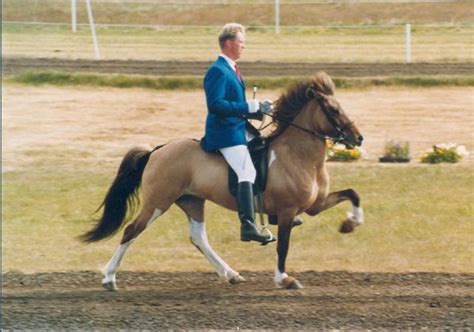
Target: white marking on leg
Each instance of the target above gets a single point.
(112, 266)
(357, 216)
(199, 239)
(272, 158)
(155, 215)
(279, 276)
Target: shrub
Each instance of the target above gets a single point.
(396, 152)
(447, 153)
(338, 152)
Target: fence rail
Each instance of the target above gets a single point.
(303, 34)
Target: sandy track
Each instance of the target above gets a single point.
(344, 300)
(110, 121)
(16, 65)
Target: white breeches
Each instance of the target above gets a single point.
(238, 157)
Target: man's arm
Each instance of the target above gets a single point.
(215, 85)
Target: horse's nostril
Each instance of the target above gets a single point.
(361, 138)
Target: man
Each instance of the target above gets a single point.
(226, 122)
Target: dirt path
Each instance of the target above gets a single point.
(331, 300)
(109, 121)
(13, 65)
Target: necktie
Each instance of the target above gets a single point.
(237, 71)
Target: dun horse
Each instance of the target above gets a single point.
(181, 172)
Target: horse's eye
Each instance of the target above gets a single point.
(336, 111)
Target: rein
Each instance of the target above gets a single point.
(340, 129)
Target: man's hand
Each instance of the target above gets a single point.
(254, 106)
(266, 106)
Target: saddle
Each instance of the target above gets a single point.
(258, 148)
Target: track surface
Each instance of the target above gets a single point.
(75, 300)
(13, 66)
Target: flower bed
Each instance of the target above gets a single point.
(396, 152)
(444, 153)
(338, 152)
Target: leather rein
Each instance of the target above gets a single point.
(341, 136)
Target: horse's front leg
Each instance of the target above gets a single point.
(355, 218)
(281, 278)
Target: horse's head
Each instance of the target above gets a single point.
(323, 115)
(329, 119)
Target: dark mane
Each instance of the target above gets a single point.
(291, 102)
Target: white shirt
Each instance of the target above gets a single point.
(229, 61)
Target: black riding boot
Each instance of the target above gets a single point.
(248, 229)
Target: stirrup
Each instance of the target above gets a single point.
(271, 237)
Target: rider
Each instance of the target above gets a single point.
(226, 123)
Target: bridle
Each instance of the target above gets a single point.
(341, 136)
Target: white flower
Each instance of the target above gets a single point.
(339, 146)
(461, 150)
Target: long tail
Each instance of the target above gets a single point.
(122, 197)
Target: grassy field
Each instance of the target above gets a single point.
(412, 224)
(361, 44)
(62, 146)
(195, 82)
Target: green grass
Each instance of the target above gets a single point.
(417, 219)
(362, 44)
(180, 82)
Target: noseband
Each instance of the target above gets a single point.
(341, 136)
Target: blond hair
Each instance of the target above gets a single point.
(229, 32)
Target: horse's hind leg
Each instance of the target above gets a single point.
(355, 218)
(145, 218)
(194, 208)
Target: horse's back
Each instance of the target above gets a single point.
(182, 166)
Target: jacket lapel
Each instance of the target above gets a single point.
(227, 65)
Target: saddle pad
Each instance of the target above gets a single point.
(258, 148)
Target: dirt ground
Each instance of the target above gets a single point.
(330, 300)
(89, 124)
(103, 123)
(16, 65)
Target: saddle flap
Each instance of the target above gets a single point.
(258, 148)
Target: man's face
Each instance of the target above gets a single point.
(236, 46)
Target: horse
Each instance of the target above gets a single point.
(181, 173)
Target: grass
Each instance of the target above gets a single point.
(180, 82)
(250, 13)
(412, 224)
(360, 44)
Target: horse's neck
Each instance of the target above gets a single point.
(301, 147)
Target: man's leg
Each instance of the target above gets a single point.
(238, 157)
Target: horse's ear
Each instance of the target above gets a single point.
(320, 96)
(310, 92)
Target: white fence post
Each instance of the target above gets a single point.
(74, 15)
(408, 43)
(92, 26)
(277, 16)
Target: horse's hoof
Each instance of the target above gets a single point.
(110, 286)
(291, 283)
(236, 280)
(347, 226)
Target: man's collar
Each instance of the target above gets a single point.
(229, 61)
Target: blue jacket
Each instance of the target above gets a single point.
(227, 107)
